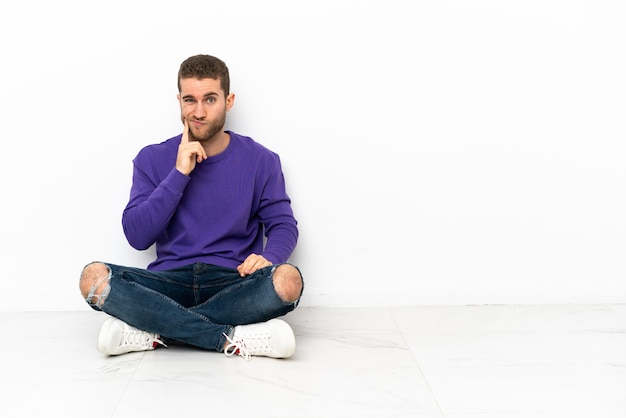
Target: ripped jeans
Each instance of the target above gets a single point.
(197, 304)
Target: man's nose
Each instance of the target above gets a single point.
(199, 111)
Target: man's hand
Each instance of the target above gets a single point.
(189, 153)
(251, 264)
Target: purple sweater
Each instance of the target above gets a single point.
(218, 214)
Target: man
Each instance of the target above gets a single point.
(206, 198)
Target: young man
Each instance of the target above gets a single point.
(206, 198)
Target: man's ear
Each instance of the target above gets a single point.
(230, 101)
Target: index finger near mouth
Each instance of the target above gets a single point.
(185, 138)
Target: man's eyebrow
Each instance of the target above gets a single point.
(190, 96)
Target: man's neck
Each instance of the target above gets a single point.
(217, 144)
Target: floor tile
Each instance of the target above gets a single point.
(275, 388)
(559, 390)
(518, 348)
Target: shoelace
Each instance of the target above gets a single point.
(244, 347)
(137, 338)
(237, 346)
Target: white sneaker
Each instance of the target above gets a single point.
(117, 337)
(273, 338)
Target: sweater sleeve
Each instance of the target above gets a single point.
(277, 216)
(151, 206)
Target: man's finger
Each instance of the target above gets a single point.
(185, 137)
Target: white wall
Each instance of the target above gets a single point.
(457, 152)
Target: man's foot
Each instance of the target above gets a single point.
(273, 338)
(117, 337)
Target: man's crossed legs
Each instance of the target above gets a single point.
(203, 305)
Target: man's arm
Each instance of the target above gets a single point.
(150, 208)
(152, 203)
(280, 224)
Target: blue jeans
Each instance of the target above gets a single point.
(196, 304)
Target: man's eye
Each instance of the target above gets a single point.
(188, 100)
(211, 100)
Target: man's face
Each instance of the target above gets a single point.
(204, 106)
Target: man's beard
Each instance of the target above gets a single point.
(212, 129)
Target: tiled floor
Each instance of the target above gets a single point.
(464, 361)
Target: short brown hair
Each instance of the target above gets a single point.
(205, 66)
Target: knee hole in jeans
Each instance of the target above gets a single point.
(288, 283)
(95, 283)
